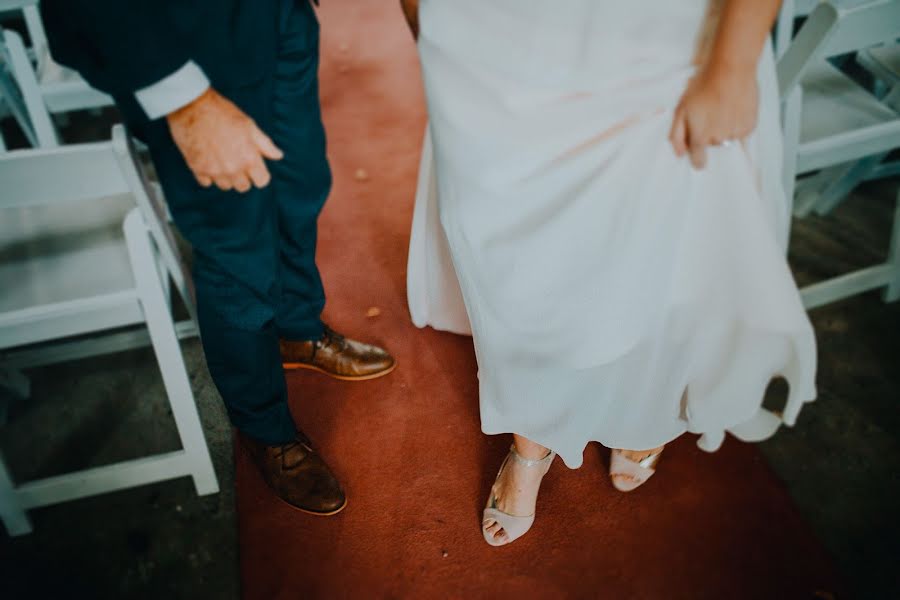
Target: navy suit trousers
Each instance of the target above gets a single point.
(254, 253)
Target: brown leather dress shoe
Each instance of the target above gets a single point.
(298, 475)
(335, 355)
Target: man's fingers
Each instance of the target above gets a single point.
(224, 183)
(259, 174)
(678, 134)
(266, 146)
(241, 182)
(241, 167)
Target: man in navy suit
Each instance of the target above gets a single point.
(225, 94)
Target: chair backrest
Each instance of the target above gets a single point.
(25, 91)
(29, 11)
(793, 9)
(36, 32)
(829, 31)
(45, 67)
(43, 85)
(79, 172)
(784, 26)
(16, 5)
(801, 8)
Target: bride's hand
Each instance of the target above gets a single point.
(718, 106)
(411, 12)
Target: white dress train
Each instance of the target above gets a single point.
(614, 293)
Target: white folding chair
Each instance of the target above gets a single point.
(85, 249)
(883, 63)
(824, 190)
(45, 87)
(830, 120)
(791, 10)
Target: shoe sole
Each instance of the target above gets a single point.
(296, 366)
(312, 512)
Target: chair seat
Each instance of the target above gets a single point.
(841, 121)
(54, 259)
(65, 90)
(68, 95)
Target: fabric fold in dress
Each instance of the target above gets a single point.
(615, 294)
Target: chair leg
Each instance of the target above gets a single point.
(168, 352)
(892, 291)
(14, 517)
(822, 192)
(10, 92)
(837, 190)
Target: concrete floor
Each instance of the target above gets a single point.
(157, 541)
(841, 463)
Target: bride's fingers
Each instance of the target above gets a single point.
(697, 139)
(698, 156)
(678, 133)
(697, 149)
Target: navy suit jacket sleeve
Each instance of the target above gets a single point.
(118, 46)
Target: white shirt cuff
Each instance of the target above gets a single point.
(173, 92)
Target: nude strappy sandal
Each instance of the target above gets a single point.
(627, 474)
(514, 526)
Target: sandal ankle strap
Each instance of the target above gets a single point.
(530, 462)
(648, 462)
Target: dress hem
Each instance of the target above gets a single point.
(762, 425)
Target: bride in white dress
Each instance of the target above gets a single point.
(601, 206)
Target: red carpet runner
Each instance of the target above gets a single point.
(408, 447)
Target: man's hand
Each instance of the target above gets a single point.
(716, 108)
(221, 144)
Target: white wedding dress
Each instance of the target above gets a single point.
(615, 294)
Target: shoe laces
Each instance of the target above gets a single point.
(331, 337)
(301, 440)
